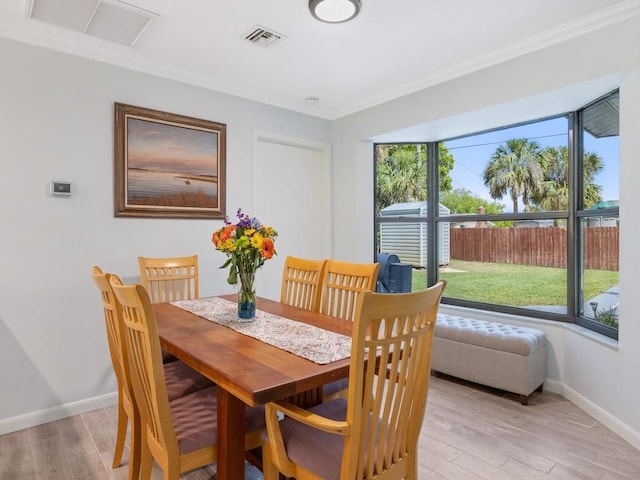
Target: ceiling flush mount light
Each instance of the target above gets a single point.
(334, 11)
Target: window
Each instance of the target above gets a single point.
(598, 214)
(523, 219)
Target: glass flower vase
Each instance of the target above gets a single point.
(246, 298)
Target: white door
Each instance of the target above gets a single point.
(293, 195)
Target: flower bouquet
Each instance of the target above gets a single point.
(248, 244)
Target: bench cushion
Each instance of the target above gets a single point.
(489, 353)
(496, 336)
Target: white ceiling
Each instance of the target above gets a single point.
(394, 47)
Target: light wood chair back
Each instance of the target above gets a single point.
(170, 279)
(377, 427)
(302, 283)
(147, 372)
(343, 284)
(194, 415)
(117, 350)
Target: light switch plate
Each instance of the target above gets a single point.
(60, 188)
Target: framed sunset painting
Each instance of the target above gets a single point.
(168, 165)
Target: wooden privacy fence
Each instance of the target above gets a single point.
(541, 246)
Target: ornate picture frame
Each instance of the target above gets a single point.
(168, 165)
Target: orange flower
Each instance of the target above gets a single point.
(222, 235)
(268, 249)
(227, 232)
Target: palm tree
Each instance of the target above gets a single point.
(401, 174)
(515, 169)
(592, 165)
(401, 178)
(555, 191)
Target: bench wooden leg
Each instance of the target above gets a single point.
(524, 399)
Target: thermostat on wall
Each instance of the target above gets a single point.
(59, 188)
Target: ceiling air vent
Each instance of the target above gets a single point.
(263, 37)
(116, 21)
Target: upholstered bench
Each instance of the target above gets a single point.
(501, 356)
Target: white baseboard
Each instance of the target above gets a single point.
(604, 417)
(33, 419)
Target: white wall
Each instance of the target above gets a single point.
(56, 122)
(595, 373)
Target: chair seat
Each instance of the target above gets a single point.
(313, 449)
(195, 419)
(182, 380)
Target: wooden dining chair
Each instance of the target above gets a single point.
(180, 434)
(179, 377)
(373, 433)
(170, 279)
(302, 283)
(343, 284)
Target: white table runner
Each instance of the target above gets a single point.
(306, 341)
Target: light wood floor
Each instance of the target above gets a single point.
(469, 433)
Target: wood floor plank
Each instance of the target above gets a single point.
(430, 445)
(450, 470)
(102, 429)
(470, 441)
(608, 463)
(42, 432)
(74, 434)
(50, 460)
(481, 468)
(488, 426)
(426, 474)
(15, 457)
(525, 472)
(120, 473)
(615, 476)
(562, 472)
(85, 465)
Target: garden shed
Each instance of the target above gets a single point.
(409, 240)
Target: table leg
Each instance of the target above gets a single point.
(230, 465)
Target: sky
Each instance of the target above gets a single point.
(167, 147)
(471, 155)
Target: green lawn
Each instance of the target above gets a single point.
(514, 285)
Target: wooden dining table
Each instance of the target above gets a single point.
(246, 370)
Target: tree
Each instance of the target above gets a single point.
(554, 194)
(592, 165)
(462, 200)
(555, 189)
(401, 178)
(515, 169)
(402, 173)
(446, 165)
